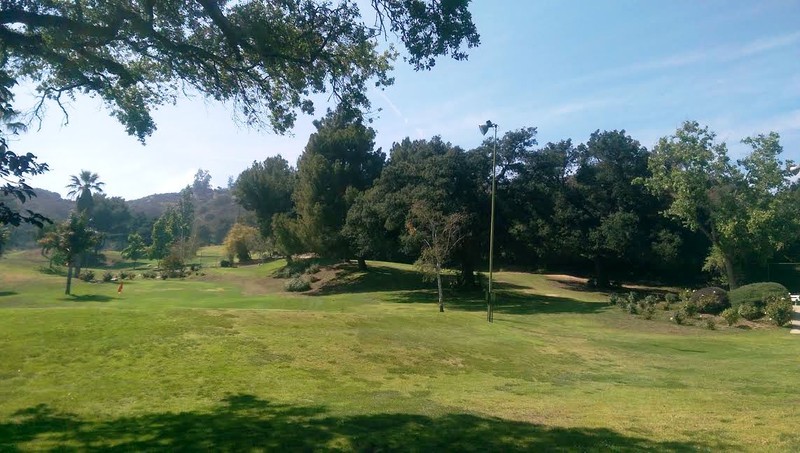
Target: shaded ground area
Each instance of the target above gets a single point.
(408, 286)
(244, 422)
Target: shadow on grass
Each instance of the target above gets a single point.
(407, 286)
(87, 298)
(244, 422)
(377, 278)
(8, 293)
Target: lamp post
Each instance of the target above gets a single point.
(489, 294)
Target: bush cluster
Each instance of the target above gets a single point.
(756, 293)
(295, 269)
(87, 275)
(779, 310)
(711, 300)
(297, 284)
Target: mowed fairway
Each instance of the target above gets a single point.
(229, 361)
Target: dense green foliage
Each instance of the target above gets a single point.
(710, 300)
(778, 309)
(756, 293)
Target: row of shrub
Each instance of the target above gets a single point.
(88, 275)
(751, 302)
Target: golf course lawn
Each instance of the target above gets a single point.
(230, 361)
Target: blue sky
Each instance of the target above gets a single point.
(566, 67)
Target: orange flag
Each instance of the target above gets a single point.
(119, 290)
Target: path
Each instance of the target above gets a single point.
(796, 320)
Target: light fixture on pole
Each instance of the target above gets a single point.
(489, 294)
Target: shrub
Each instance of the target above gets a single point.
(293, 269)
(614, 299)
(678, 317)
(650, 300)
(689, 309)
(107, 276)
(649, 311)
(710, 300)
(670, 298)
(633, 297)
(313, 269)
(148, 274)
(172, 262)
(710, 324)
(731, 315)
(87, 275)
(297, 285)
(225, 263)
(756, 293)
(750, 311)
(123, 275)
(779, 310)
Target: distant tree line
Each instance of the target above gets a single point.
(683, 212)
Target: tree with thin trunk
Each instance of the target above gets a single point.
(82, 186)
(69, 240)
(438, 234)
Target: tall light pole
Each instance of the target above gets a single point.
(489, 294)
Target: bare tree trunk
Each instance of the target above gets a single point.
(439, 285)
(69, 279)
(362, 263)
(729, 272)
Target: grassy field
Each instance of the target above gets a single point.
(230, 361)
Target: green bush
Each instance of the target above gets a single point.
(148, 274)
(670, 298)
(750, 311)
(648, 311)
(690, 309)
(711, 300)
(730, 315)
(710, 324)
(756, 293)
(87, 275)
(107, 276)
(225, 263)
(313, 269)
(293, 269)
(615, 299)
(779, 310)
(679, 317)
(297, 285)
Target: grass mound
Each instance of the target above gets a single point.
(756, 293)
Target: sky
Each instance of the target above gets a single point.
(566, 67)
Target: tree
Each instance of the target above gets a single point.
(284, 230)
(135, 249)
(337, 164)
(739, 207)
(201, 186)
(437, 234)
(81, 188)
(266, 189)
(15, 168)
(269, 58)
(70, 240)
(241, 241)
(161, 237)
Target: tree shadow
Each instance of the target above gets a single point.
(87, 298)
(506, 302)
(349, 279)
(245, 422)
(8, 293)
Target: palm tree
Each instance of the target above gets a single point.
(82, 187)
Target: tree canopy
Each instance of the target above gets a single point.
(268, 58)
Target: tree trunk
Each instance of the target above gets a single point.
(729, 272)
(439, 285)
(69, 279)
(467, 273)
(79, 260)
(362, 263)
(600, 274)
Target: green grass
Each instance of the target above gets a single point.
(230, 361)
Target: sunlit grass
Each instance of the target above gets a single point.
(228, 360)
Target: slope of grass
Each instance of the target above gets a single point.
(229, 360)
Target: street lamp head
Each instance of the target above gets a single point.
(794, 169)
(485, 127)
